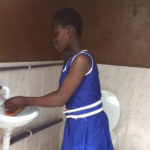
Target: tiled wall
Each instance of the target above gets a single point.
(132, 87)
(35, 82)
(130, 84)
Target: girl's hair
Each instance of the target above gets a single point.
(69, 16)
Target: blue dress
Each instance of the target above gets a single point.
(86, 126)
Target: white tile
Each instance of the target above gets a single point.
(132, 87)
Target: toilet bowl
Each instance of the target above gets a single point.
(112, 109)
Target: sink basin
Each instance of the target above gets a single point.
(21, 119)
(7, 123)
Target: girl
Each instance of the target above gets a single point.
(86, 125)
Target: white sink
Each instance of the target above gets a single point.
(8, 123)
(21, 119)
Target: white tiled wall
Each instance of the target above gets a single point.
(130, 84)
(35, 82)
(132, 87)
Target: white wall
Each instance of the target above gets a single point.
(35, 82)
(132, 87)
(130, 84)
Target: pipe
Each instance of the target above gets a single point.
(28, 66)
(6, 139)
(33, 131)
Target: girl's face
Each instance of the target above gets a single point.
(60, 37)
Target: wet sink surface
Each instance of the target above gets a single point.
(22, 118)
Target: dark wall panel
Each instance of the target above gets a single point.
(116, 31)
(25, 29)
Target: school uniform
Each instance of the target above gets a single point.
(86, 126)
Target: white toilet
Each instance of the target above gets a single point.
(112, 108)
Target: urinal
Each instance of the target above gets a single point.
(112, 109)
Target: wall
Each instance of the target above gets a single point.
(117, 32)
(25, 30)
(131, 85)
(35, 82)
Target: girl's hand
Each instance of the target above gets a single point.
(14, 105)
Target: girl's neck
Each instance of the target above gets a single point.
(75, 47)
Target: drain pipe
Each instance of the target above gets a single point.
(33, 131)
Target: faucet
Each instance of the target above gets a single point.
(5, 88)
(4, 96)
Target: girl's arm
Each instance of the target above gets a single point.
(79, 68)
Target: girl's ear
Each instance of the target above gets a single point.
(70, 30)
